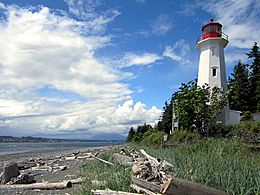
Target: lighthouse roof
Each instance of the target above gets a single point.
(211, 23)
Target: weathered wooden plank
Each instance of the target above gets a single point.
(178, 186)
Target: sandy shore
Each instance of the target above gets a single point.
(73, 171)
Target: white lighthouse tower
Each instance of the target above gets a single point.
(212, 69)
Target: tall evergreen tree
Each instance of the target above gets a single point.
(239, 88)
(254, 54)
(131, 135)
(166, 120)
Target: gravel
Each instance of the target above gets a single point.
(73, 170)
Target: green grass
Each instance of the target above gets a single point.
(226, 165)
(116, 177)
(229, 166)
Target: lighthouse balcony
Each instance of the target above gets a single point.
(212, 35)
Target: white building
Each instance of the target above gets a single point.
(212, 69)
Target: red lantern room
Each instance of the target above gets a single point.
(212, 29)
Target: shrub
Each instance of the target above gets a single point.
(247, 116)
(183, 136)
(153, 137)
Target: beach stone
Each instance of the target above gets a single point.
(23, 178)
(10, 170)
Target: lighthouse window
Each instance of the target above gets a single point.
(214, 72)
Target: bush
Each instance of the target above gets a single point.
(153, 137)
(248, 131)
(183, 136)
(247, 116)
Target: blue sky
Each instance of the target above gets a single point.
(80, 68)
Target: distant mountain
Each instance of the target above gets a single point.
(108, 136)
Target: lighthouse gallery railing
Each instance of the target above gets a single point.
(223, 35)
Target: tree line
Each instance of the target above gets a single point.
(198, 108)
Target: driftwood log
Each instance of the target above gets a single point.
(153, 169)
(183, 187)
(40, 186)
(104, 161)
(147, 185)
(177, 187)
(110, 192)
(78, 180)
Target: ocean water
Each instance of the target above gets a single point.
(12, 148)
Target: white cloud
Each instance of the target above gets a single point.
(87, 10)
(178, 52)
(169, 52)
(234, 57)
(161, 25)
(131, 59)
(43, 49)
(240, 19)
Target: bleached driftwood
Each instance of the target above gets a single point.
(110, 192)
(142, 190)
(151, 159)
(104, 161)
(42, 168)
(84, 157)
(154, 169)
(40, 186)
(78, 180)
(63, 167)
(70, 158)
(178, 186)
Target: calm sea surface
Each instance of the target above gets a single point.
(11, 148)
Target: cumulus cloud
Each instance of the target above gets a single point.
(131, 59)
(43, 49)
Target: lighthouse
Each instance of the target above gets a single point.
(212, 69)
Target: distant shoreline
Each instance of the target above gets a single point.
(31, 147)
(30, 139)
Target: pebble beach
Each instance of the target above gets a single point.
(73, 170)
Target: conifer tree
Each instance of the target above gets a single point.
(254, 54)
(166, 120)
(131, 135)
(239, 88)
